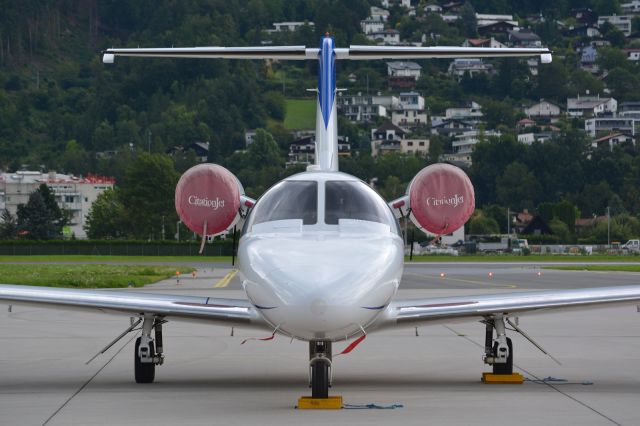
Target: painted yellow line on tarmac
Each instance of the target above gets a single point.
(224, 281)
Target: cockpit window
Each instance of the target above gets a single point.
(355, 200)
(288, 200)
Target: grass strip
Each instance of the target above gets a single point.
(523, 259)
(87, 276)
(107, 259)
(604, 268)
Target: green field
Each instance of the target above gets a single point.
(86, 276)
(105, 259)
(529, 259)
(301, 114)
(604, 268)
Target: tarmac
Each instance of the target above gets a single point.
(209, 378)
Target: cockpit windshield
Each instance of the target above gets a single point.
(288, 200)
(355, 200)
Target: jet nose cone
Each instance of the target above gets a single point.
(322, 282)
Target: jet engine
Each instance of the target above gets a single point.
(210, 199)
(439, 199)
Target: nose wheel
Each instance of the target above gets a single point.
(320, 368)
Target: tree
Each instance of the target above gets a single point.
(610, 58)
(479, 224)
(148, 195)
(518, 187)
(264, 151)
(8, 226)
(41, 218)
(552, 81)
(468, 22)
(106, 218)
(392, 188)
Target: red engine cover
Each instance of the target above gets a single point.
(208, 193)
(442, 199)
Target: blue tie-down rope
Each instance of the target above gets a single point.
(556, 381)
(371, 406)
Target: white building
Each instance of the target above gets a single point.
(591, 105)
(621, 22)
(404, 69)
(389, 138)
(289, 26)
(530, 138)
(470, 66)
(596, 125)
(75, 194)
(379, 13)
(470, 113)
(631, 8)
(464, 144)
(612, 140)
(433, 8)
(484, 19)
(543, 109)
(385, 37)
(483, 42)
(372, 25)
(362, 108)
(410, 112)
(402, 3)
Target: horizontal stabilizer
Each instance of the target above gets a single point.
(261, 52)
(409, 52)
(302, 52)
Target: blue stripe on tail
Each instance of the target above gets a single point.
(326, 78)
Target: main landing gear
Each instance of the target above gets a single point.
(147, 354)
(320, 368)
(498, 352)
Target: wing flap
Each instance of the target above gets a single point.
(228, 311)
(417, 311)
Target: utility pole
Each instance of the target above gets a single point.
(508, 221)
(162, 227)
(178, 231)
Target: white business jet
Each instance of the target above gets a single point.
(321, 253)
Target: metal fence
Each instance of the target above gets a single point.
(101, 248)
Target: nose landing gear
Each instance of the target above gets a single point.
(320, 368)
(320, 378)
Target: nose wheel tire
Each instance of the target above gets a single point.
(507, 367)
(320, 380)
(145, 372)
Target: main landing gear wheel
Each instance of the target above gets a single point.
(145, 372)
(320, 368)
(148, 354)
(507, 367)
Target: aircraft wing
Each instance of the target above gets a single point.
(415, 312)
(233, 312)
